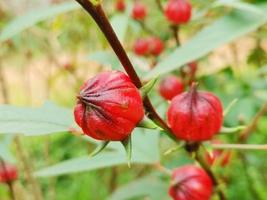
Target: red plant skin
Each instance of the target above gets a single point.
(141, 47)
(139, 11)
(170, 86)
(109, 107)
(8, 172)
(190, 183)
(120, 5)
(178, 11)
(218, 156)
(156, 45)
(195, 116)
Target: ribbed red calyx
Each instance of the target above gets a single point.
(109, 107)
(218, 156)
(139, 11)
(120, 5)
(178, 11)
(8, 172)
(156, 45)
(141, 47)
(195, 115)
(170, 86)
(190, 183)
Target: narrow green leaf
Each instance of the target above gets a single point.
(225, 130)
(120, 23)
(22, 23)
(148, 87)
(35, 121)
(100, 147)
(127, 144)
(222, 31)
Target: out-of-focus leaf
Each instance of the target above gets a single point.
(145, 151)
(120, 24)
(239, 5)
(22, 23)
(107, 58)
(149, 187)
(224, 30)
(35, 121)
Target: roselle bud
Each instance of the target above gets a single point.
(170, 86)
(156, 45)
(218, 156)
(195, 115)
(109, 107)
(141, 47)
(8, 172)
(139, 11)
(178, 11)
(120, 5)
(190, 183)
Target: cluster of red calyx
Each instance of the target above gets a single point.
(120, 5)
(218, 156)
(109, 107)
(195, 116)
(170, 86)
(148, 46)
(8, 172)
(190, 183)
(139, 11)
(178, 11)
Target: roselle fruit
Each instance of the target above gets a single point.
(139, 11)
(218, 156)
(190, 183)
(120, 5)
(195, 115)
(156, 46)
(170, 86)
(8, 172)
(109, 107)
(141, 47)
(178, 11)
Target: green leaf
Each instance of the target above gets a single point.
(100, 147)
(120, 23)
(226, 130)
(127, 144)
(22, 23)
(106, 58)
(224, 30)
(148, 87)
(35, 121)
(145, 151)
(148, 186)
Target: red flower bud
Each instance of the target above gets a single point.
(195, 116)
(141, 47)
(120, 5)
(156, 46)
(8, 172)
(109, 107)
(190, 183)
(218, 156)
(178, 11)
(139, 11)
(170, 86)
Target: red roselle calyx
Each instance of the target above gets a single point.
(156, 45)
(218, 156)
(195, 115)
(170, 86)
(120, 5)
(139, 11)
(190, 183)
(109, 107)
(178, 11)
(8, 172)
(141, 47)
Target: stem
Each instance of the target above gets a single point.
(103, 23)
(3, 86)
(253, 125)
(240, 146)
(208, 170)
(175, 30)
(160, 6)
